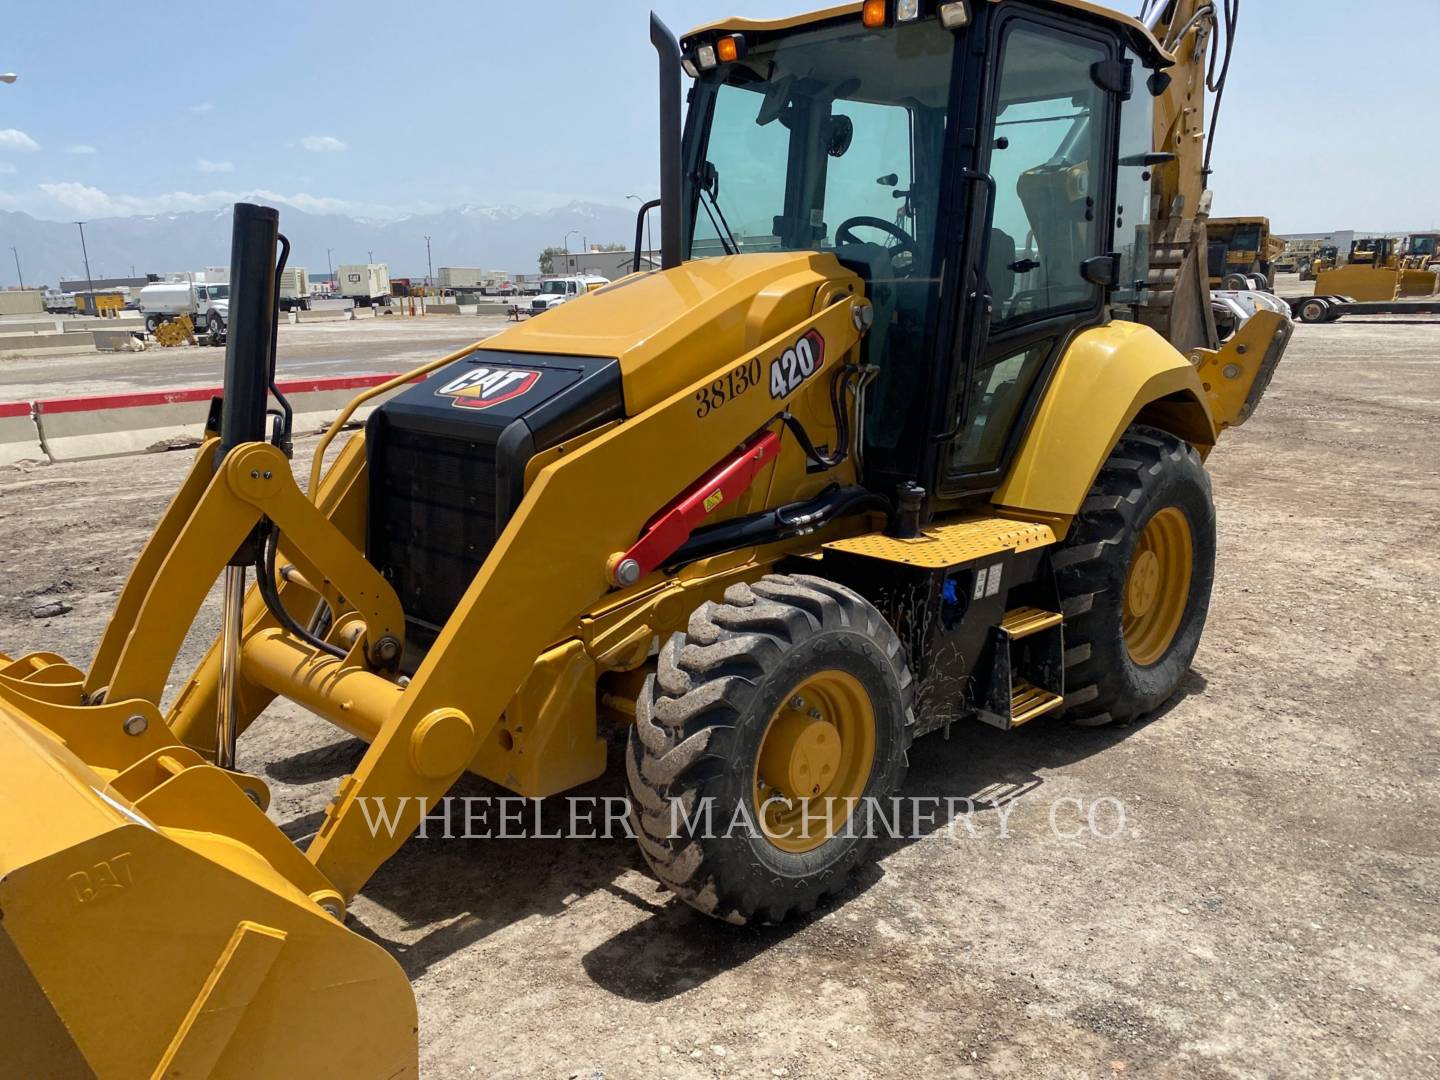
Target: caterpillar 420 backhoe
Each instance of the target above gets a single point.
(889, 443)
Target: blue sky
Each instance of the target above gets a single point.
(377, 110)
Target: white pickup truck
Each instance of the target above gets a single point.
(207, 305)
(556, 291)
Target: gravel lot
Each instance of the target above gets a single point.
(367, 345)
(1269, 906)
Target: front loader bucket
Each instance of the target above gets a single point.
(153, 920)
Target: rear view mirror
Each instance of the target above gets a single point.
(1102, 270)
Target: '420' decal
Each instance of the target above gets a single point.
(796, 364)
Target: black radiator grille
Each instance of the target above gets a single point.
(432, 519)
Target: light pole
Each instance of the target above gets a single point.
(88, 280)
(572, 232)
(648, 245)
(331, 266)
(17, 267)
(429, 263)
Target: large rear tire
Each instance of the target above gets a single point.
(787, 706)
(1135, 577)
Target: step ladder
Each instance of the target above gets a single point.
(1027, 660)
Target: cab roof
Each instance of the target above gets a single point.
(1140, 38)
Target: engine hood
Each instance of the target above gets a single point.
(668, 328)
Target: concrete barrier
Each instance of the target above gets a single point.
(35, 344)
(19, 436)
(30, 326)
(120, 322)
(114, 340)
(79, 428)
(325, 315)
(442, 309)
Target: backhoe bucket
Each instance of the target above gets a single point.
(153, 920)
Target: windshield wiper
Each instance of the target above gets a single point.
(709, 185)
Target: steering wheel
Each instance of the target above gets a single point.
(904, 242)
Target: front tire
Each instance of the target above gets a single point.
(788, 706)
(1134, 577)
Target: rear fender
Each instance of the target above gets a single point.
(1108, 378)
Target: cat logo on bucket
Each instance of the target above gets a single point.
(482, 387)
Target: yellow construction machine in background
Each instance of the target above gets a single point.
(769, 513)
(1375, 272)
(1242, 253)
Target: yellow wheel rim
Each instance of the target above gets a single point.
(1157, 586)
(814, 761)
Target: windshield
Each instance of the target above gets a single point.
(552, 288)
(819, 129)
(1422, 245)
(1245, 238)
(219, 292)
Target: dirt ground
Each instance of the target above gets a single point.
(1269, 906)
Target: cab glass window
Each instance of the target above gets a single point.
(1047, 159)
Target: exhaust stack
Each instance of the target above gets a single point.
(668, 51)
(249, 348)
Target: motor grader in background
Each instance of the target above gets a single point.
(864, 460)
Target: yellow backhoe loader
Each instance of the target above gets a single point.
(889, 444)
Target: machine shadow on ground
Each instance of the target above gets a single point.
(466, 889)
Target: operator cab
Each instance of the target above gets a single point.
(978, 252)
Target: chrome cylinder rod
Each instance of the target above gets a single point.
(232, 614)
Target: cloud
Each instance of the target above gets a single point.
(322, 144)
(61, 201)
(14, 139)
(215, 166)
(203, 107)
(80, 148)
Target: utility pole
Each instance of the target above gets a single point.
(370, 255)
(429, 263)
(88, 279)
(17, 267)
(331, 267)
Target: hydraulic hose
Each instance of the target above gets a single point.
(288, 414)
(1215, 80)
(781, 523)
(270, 593)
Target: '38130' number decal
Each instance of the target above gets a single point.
(796, 364)
(787, 372)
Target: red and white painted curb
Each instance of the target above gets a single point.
(111, 425)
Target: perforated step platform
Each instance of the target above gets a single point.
(951, 544)
(1027, 702)
(1024, 621)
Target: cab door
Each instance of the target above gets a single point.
(1050, 148)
